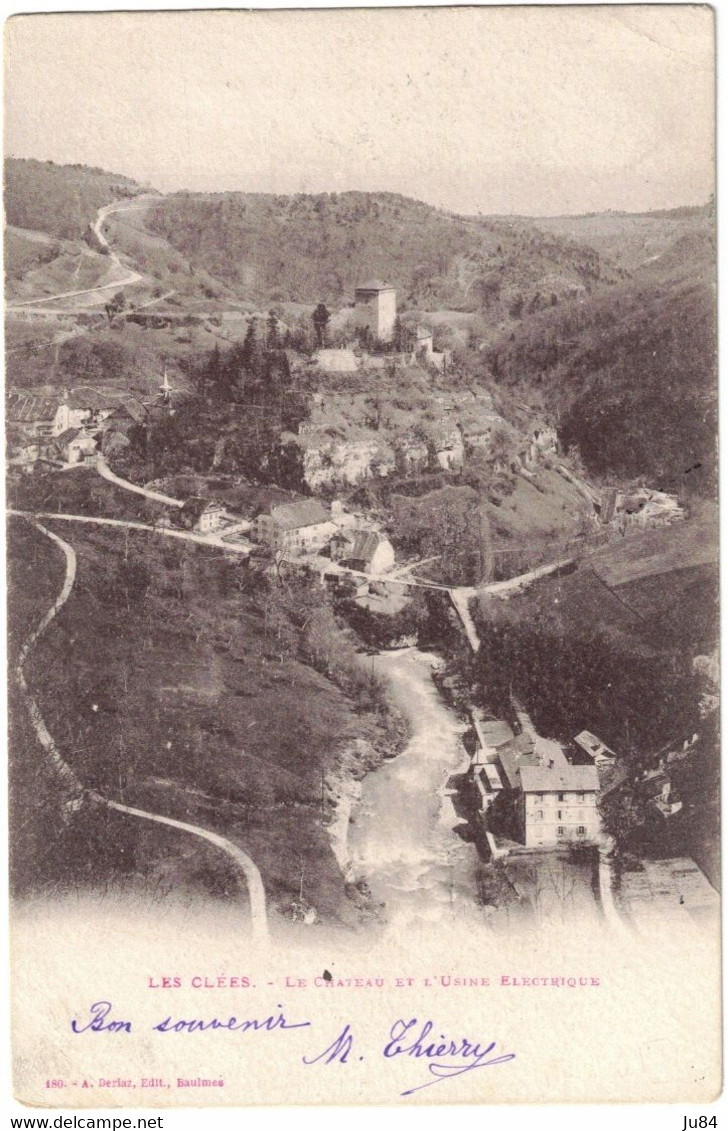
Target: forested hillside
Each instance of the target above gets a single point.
(630, 374)
(243, 705)
(60, 200)
(305, 248)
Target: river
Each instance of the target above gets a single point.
(409, 842)
(405, 833)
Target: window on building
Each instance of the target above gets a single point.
(560, 830)
(561, 797)
(538, 815)
(581, 830)
(580, 797)
(559, 814)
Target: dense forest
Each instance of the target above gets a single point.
(630, 375)
(306, 248)
(244, 400)
(587, 680)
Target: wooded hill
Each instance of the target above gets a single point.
(219, 699)
(631, 374)
(60, 200)
(306, 248)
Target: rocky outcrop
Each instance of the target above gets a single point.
(331, 462)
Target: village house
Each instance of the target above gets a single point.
(203, 516)
(35, 417)
(640, 507)
(75, 446)
(299, 528)
(411, 455)
(445, 444)
(369, 552)
(478, 429)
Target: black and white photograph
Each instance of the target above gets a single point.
(361, 412)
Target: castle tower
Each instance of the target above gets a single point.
(376, 307)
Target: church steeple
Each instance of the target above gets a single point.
(165, 389)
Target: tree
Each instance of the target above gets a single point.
(502, 441)
(273, 335)
(403, 337)
(365, 338)
(320, 319)
(115, 305)
(249, 352)
(516, 307)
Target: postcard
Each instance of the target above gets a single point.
(361, 463)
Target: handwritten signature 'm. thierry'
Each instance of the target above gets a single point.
(445, 1057)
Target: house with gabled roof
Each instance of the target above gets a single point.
(597, 750)
(298, 528)
(203, 516)
(34, 417)
(553, 801)
(369, 552)
(74, 445)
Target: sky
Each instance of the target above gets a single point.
(534, 111)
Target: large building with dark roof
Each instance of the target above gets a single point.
(302, 527)
(555, 802)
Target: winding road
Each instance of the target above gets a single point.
(242, 861)
(208, 540)
(105, 471)
(130, 279)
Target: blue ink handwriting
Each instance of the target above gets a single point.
(338, 1050)
(99, 1021)
(445, 1057)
